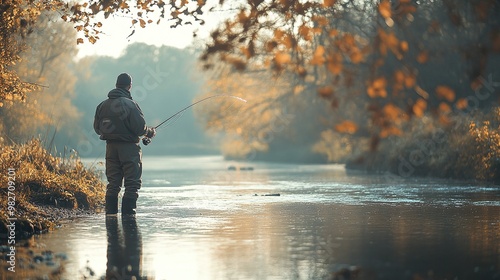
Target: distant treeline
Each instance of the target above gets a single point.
(164, 80)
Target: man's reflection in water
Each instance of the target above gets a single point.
(124, 251)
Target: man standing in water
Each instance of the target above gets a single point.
(120, 122)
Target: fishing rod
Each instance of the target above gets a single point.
(146, 140)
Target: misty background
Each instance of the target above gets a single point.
(165, 80)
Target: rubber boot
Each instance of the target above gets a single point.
(128, 205)
(111, 205)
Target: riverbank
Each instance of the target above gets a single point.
(40, 190)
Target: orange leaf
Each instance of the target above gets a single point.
(349, 40)
(356, 56)
(392, 112)
(301, 71)
(380, 83)
(446, 93)
(79, 41)
(378, 88)
(399, 76)
(410, 81)
(288, 41)
(444, 108)
(325, 92)
(392, 42)
(403, 46)
(321, 20)
(346, 127)
(461, 104)
(388, 41)
(318, 56)
(419, 107)
(278, 34)
(246, 52)
(282, 58)
(335, 68)
(335, 63)
(329, 3)
(305, 32)
(384, 8)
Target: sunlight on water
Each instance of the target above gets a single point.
(199, 220)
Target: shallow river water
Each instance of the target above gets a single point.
(198, 220)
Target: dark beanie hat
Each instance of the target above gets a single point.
(123, 80)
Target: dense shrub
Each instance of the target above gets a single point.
(466, 147)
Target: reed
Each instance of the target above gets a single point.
(47, 187)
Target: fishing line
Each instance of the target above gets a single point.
(173, 118)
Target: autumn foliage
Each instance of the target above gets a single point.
(377, 51)
(359, 75)
(19, 18)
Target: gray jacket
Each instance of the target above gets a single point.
(119, 118)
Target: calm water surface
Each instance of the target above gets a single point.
(198, 220)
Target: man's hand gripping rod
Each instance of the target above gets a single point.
(147, 140)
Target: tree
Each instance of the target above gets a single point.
(47, 62)
(388, 60)
(15, 22)
(18, 18)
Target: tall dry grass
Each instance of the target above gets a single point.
(47, 188)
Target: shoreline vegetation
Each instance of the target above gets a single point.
(463, 147)
(40, 189)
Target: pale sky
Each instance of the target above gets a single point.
(116, 30)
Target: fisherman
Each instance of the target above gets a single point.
(120, 122)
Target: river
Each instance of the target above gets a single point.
(198, 220)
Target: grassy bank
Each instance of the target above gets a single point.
(40, 189)
(464, 147)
